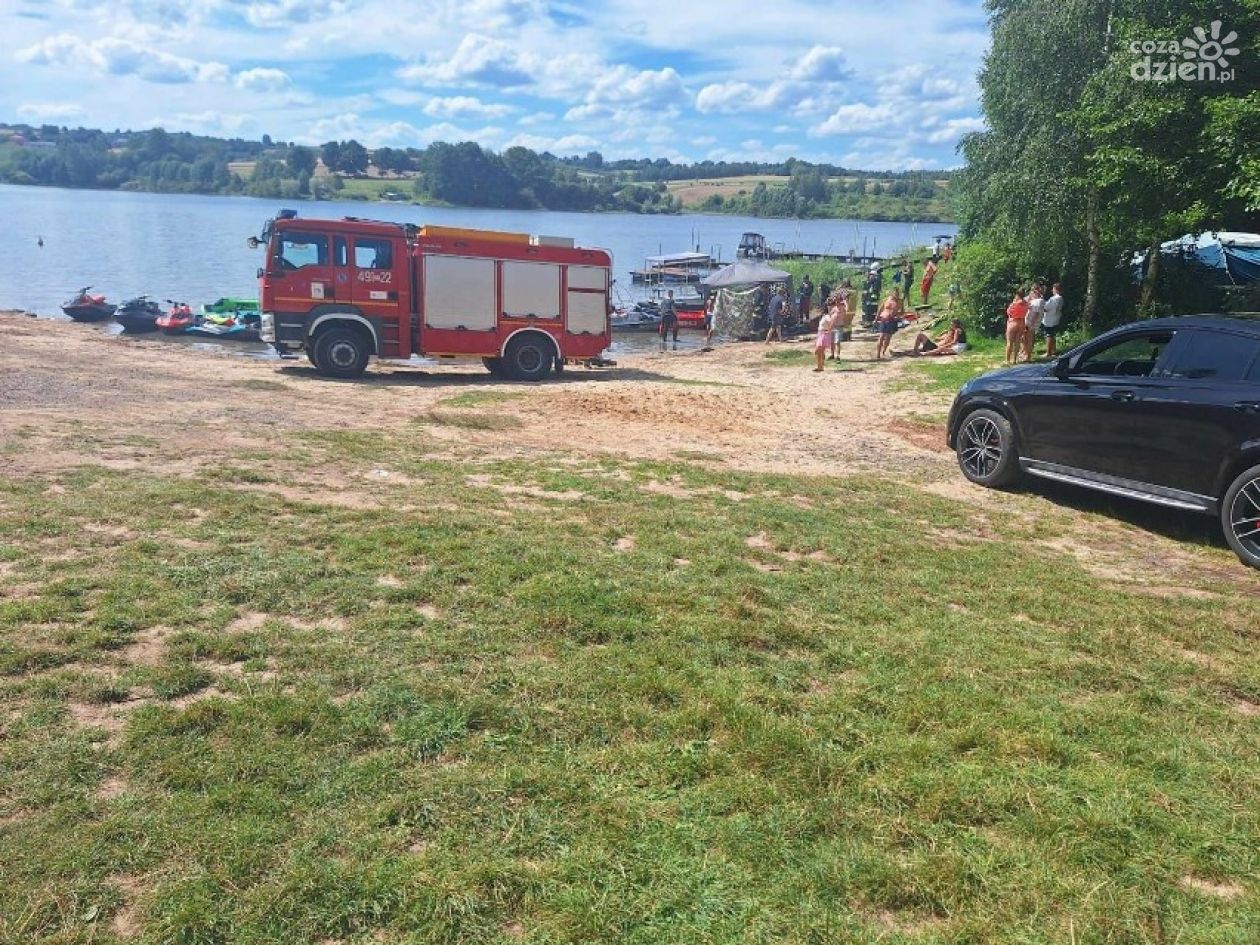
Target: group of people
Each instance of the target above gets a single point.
(1029, 312)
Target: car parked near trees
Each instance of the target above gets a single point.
(1165, 411)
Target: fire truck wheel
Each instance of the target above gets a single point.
(340, 352)
(494, 366)
(529, 357)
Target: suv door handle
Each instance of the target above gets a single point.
(1247, 406)
(1123, 395)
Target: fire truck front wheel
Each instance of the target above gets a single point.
(529, 357)
(340, 352)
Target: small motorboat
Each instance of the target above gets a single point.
(88, 308)
(642, 317)
(138, 315)
(178, 320)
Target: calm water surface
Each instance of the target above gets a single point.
(192, 248)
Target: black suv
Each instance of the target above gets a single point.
(1167, 411)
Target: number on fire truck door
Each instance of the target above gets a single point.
(588, 300)
(459, 293)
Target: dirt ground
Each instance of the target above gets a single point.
(72, 394)
(730, 406)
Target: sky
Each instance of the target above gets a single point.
(882, 86)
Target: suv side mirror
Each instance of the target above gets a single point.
(1061, 367)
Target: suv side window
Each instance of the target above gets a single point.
(1131, 356)
(1214, 355)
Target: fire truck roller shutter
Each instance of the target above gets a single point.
(588, 300)
(531, 290)
(459, 292)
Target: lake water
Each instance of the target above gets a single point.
(192, 247)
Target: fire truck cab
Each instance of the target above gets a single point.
(345, 290)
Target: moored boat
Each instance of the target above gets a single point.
(88, 308)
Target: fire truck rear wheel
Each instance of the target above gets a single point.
(529, 358)
(341, 352)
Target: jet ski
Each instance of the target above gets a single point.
(178, 320)
(88, 308)
(138, 315)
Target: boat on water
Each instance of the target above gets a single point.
(752, 246)
(674, 269)
(88, 308)
(138, 315)
(229, 319)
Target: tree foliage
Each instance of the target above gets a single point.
(1084, 165)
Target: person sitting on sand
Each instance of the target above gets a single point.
(951, 341)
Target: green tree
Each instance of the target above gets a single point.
(301, 161)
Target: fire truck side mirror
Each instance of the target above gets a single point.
(253, 242)
(260, 272)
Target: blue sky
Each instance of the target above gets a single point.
(886, 85)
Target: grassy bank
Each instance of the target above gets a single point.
(355, 692)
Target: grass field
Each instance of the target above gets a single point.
(567, 699)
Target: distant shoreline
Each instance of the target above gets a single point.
(411, 202)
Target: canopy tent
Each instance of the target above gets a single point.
(1226, 258)
(745, 272)
(739, 301)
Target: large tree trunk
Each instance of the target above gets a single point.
(1089, 313)
(1149, 278)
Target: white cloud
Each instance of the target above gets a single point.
(117, 56)
(568, 144)
(464, 106)
(49, 111)
(951, 130)
(277, 14)
(536, 118)
(726, 98)
(478, 59)
(857, 118)
(822, 64)
(646, 89)
(263, 80)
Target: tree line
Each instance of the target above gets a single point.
(462, 174)
(1090, 159)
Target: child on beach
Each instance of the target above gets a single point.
(824, 338)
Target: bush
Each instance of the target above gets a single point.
(988, 276)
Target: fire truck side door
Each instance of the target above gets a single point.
(300, 270)
(375, 285)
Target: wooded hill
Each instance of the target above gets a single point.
(463, 174)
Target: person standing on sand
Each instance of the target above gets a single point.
(1032, 321)
(907, 280)
(886, 324)
(709, 306)
(1052, 320)
(929, 273)
(669, 319)
(824, 339)
(775, 311)
(1016, 315)
(805, 299)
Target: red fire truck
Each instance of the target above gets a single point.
(344, 290)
